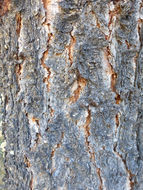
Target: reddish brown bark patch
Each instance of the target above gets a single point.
(31, 182)
(18, 23)
(117, 120)
(4, 6)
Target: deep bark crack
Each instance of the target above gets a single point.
(31, 182)
(28, 165)
(54, 150)
(43, 59)
(129, 173)
(115, 12)
(18, 72)
(47, 24)
(18, 23)
(71, 48)
(140, 23)
(90, 151)
(100, 178)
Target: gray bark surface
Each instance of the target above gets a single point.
(71, 94)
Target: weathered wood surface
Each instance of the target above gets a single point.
(71, 84)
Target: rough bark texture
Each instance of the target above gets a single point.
(71, 84)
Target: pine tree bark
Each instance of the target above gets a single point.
(71, 94)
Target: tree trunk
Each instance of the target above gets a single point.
(71, 94)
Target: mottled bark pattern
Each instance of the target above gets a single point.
(71, 94)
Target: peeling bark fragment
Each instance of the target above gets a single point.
(81, 83)
(18, 71)
(46, 79)
(87, 129)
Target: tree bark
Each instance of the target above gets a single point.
(71, 94)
